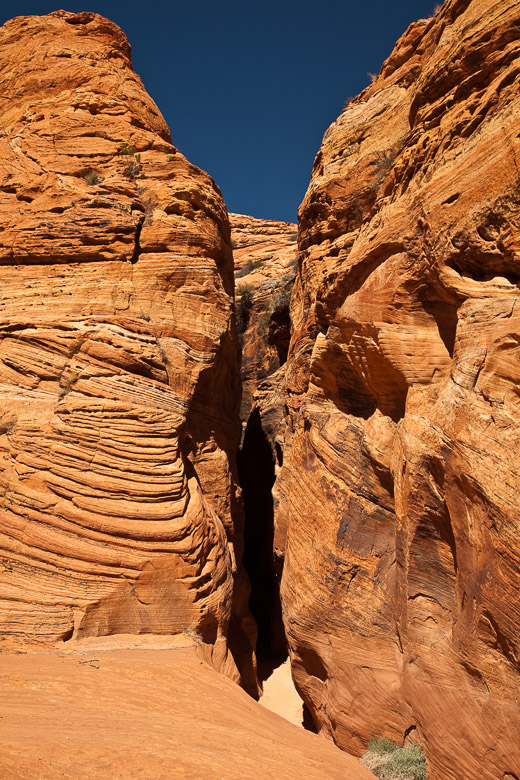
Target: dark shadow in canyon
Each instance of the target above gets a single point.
(256, 470)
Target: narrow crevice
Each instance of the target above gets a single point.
(256, 464)
(137, 246)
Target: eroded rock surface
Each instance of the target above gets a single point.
(119, 367)
(148, 713)
(265, 254)
(399, 497)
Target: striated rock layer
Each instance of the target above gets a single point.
(399, 497)
(265, 254)
(119, 363)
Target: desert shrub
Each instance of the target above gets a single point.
(407, 762)
(243, 305)
(131, 169)
(133, 166)
(248, 267)
(386, 760)
(278, 303)
(193, 634)
(382, 745)
(92, 177)
(281, 300)
(264, 320)
(245, 270)
(385, 160)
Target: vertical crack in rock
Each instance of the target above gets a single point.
(265, 268)
(257, 476)
(137, 237)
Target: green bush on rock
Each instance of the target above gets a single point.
(386, 760)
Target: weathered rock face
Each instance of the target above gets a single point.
(118, 358)
(399, 497)
(265, 254)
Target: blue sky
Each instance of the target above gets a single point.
(249, 88)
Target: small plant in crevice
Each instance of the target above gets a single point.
(251, 265)
(92, 177)
(133, 166)
(193, 634)
(279, 303)
(386, 760)
(385, 160)
(243, 305)
(281, 300)
(264, 321)
(131, 169)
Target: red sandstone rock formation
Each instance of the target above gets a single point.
(265, 265)
(400, 491)
(118, 358)
(265, 254)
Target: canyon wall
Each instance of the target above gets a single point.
(265, 255)
(119, 360)
(398, 503)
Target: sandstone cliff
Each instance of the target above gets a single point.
(399, 496)
(119, 362)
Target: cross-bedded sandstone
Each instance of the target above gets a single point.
(399, 508)
(119, 368)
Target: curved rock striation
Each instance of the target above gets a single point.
(119, 368)
(399, 498)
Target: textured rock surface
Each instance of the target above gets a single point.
(399, 497)
(119, 363)
(265, 254)
(152, 714)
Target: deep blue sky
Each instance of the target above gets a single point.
(249, 88)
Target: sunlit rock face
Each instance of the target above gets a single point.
(399, 497)
(119, 368)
